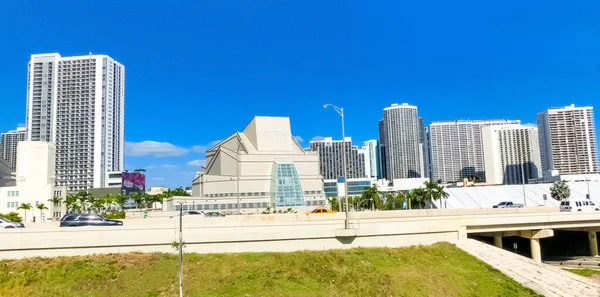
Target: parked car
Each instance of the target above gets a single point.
(79, 220)
(508, 204)
(191, 213)
(214, 214)
(578, 205)
(6, 224)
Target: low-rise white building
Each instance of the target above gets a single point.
(34, 182)
(263, 167)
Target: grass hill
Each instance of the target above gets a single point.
(437, 270)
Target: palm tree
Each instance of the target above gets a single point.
(97, 204)
(25, 207)
(71, 201)
(108, 201)
(430, 192)
(393, 201)
(418, 195)
(560, 190)
(137, 198)
(371, 196)
(441, 193)
(55, 204)
(84, 197)
(179, 192)
(334, 202)
(404, 195)
(121, 200)
(42, 207)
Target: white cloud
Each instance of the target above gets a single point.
(203, 148)
(299, 138)
(196, 163)
(317, 138)
(169, 166)
(153, 148)
(21, 125)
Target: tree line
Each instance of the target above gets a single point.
(373, 199)
(84, 202)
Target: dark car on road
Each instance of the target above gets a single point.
(191, 213)
(78, 220)
(214, 214)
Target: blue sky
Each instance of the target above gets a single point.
(196, 71)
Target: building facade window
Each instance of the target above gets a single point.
(286, 186)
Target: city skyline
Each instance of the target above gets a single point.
(263, 59)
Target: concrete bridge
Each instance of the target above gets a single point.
(284, 233)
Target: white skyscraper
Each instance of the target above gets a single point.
(457, 148)
(568, 140)
(511, 154)
(8, 146)
(78, 103)
(372, 169)
(403, 142)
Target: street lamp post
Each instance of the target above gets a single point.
(181, 203)
(237, 177)
(587, 180)
(523, 181)
(340, 111)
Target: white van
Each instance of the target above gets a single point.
(579, 205)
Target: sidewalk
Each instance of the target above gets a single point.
(542, 278)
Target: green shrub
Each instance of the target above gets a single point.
(12, 216)
(115, 215)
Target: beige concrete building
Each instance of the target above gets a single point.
(511, 154)
(34, 182)
(263, 166)
(156, 190)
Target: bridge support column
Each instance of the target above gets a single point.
(534, 238)
(593, 243)
(498, 241)
(536, 250)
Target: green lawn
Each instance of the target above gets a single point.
(584, 272)
(437, 270)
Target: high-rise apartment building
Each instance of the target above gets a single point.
(372, 169)
(382, 151)
(568, 140)
(330, 158)
(8, 146)
(457, 149)
(511, 154)
(78, 103)
(427, 152)
(403, 142)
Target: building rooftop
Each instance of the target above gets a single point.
(488, 196)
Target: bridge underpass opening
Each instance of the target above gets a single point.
(564, 244)
(508, 243)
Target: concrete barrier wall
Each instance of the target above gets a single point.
(214, 237)
(277, 232)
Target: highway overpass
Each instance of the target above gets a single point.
(282, 233)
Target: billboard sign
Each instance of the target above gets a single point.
(133, 182)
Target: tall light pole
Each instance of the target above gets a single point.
(237, 177)
(587, 180)
(181, 203)
(340, 111)
(523, 180)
